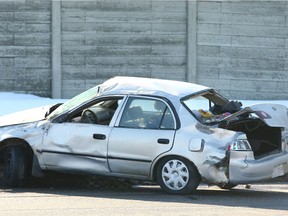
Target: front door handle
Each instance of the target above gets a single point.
(163, 141)
(99, 136)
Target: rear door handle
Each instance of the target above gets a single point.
(99, 136)
(163, 141)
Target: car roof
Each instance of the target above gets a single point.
(150, 86)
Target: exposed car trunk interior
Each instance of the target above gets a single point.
(264, 140)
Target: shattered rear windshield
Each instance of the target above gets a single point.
(208, 107)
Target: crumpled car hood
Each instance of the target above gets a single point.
(274, 115)
(26, 116)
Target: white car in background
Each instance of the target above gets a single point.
(175, 133)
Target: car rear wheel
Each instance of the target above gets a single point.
(177, 176)
(15, 167)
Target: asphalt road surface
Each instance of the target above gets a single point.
(63, 200)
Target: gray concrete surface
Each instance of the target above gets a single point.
(260, 199)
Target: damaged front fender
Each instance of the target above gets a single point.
(32, 133)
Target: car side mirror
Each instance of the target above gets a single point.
(52, 108)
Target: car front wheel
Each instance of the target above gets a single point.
(14, 167)
(177, 176)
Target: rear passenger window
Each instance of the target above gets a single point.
(148, 114)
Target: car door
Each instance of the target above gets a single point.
(80, 143)
(145, 130)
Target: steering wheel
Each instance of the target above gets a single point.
(89, 117)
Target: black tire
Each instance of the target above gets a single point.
(227, 186)
(176, 175)
(15, 167)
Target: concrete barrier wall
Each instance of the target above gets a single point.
(102, 39)
(25, 46)
(241, 46)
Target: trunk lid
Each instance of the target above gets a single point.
(274, 115)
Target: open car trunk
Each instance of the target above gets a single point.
(262, 124)
(263, 139)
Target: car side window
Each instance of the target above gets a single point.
(99, 113)
(147, 113)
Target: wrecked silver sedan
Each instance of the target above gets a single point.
(175, 133)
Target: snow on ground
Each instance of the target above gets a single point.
(12, 102)
(252, 102)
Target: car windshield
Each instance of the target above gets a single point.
(75, 101)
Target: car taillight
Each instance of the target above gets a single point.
(239, 145)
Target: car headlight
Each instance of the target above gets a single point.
(240, 145)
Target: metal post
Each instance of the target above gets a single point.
(191, 68)
(56, 50)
